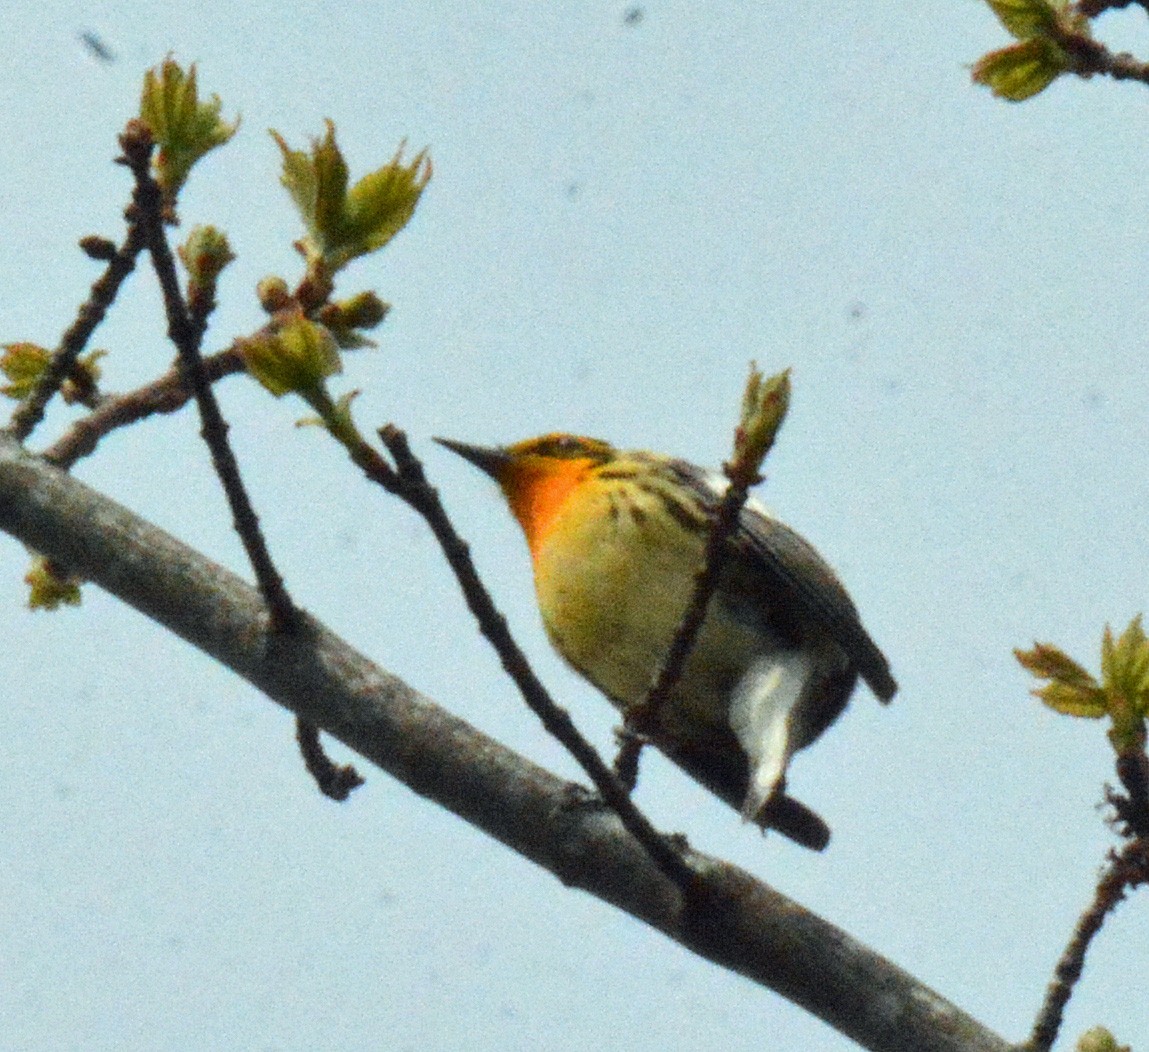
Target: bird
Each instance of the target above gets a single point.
(616, 540)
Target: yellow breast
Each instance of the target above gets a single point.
(614, 574)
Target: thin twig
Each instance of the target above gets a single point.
(409, 482)
(148, 207)
(643, 718)
(1125, 871)
(166, 394)
(200, 305)
(30, 412)
(186, 328)
(1091, 57)
(1093, 8)
(1133, 808)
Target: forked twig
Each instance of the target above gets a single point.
(30, 411)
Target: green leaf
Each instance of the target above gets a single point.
(183, 127)
(383, 201)
(1020, 71)
(1049, 662)
(1122, 692)
(317, 182)
(1026, 18)
(1091, 703)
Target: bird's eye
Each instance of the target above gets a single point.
(558, 446)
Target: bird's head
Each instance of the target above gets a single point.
(538, 475)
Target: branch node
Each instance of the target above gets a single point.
(337, 781)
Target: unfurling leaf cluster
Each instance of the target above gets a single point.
(343, 223)
(1122, 693)
(49, 587)
(183, 127)
(296, 356)
(23, 364)
(300, 347)
(204, 255)
(765, 403)
(293, 358)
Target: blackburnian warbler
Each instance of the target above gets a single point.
(616, 540)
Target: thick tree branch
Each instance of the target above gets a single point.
(744, 926)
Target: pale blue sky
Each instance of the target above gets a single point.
(621, 217)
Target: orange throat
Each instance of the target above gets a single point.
(537, 493)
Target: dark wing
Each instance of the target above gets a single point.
(799, 577)
(813, 586)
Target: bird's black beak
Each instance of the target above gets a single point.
(491, 459)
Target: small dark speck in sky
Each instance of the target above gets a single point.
(633, 16)
(96, 46)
